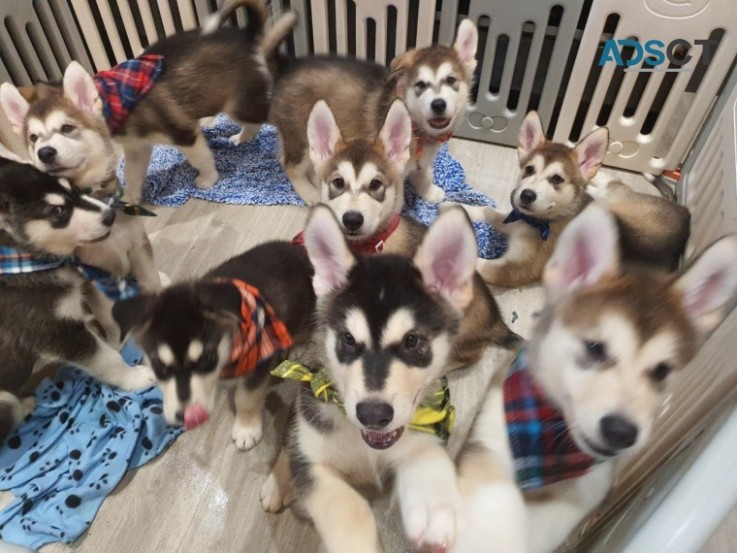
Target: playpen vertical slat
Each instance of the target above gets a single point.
(341, 30)
(111, 31)
(129, 23)
(148, 21)
(538, 38)
(320, 23)
(401, 33)
(12, 60)
(68, 32)
(602, 85)
(167, 19)
(425, 23)
(187, 15)
(91, 34)
(301, 40)
(381, 28)
(448, 21)
(40, 49)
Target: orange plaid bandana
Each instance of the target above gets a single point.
(260, 336)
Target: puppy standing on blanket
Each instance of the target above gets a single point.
(236, 322)
(49, 311)
(553, 189)
(609, 343)
(386, 325)
(161, 96)
(434, 83)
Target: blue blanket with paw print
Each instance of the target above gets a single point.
(250, 174)
(61, 463)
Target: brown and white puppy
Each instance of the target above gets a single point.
(170, 112)
(361, 182)
(70, 143)
(434, 82)
(609, 344)
(552, 190)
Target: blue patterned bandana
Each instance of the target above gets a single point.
(542, 226)
(15, 262)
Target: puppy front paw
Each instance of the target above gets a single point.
(275, 495)
(246, 434)
(431, 518)
(434, 194)
(205, 182)
(138, 377)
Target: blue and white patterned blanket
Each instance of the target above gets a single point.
(251, 174)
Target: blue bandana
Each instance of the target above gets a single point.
(542, 226)
(14, 262)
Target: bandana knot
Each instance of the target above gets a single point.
(542, 226)
(124, 85)
(543, 449)
(261, 333)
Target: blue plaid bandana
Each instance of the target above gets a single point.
(14, 262)
(542, 226)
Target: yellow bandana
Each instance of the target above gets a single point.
(435, 415)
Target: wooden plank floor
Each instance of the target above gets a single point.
(202, 495)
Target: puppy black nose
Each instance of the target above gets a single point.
(527, 196)
(109, 218)
(179, 415)
(352, 220)
(374, 414)
(47, 154)
(618, 432)
(438, 106)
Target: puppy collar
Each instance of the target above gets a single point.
(373, 244)
(16, 262)
(543, 450)
(421, 138)
(542, 225)
(435, 415)
(261, 333)
(121, 87)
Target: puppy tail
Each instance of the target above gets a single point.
(278, 32)
(257, 16)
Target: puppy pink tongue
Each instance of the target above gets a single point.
(194, 415)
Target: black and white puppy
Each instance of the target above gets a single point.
(386, 325)
(192, 330)
(48, 311)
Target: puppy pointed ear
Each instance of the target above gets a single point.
(80, 88)
(591, 151)
(467, 41)
(133, 312)
(587, 249)
(328, 251)
(14, 105)
(323, 133)
(398, 67)
(531, 135)
(447, 257)
(708, 287)
(396, 134)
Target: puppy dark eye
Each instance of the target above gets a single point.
(339, 184)
(411, 341)
(208, 359)
(556, 179)
(32, 138)
(420, 86)
(348, 339)
(66, 129)
(596, 351)
(57, 211)
(660, 372)
(451, 80)
(529, 170)
(375, 185)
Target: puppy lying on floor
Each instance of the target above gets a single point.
(49, 309)
(237, 322)
(553, 189)
(386, 325)
(586, 388)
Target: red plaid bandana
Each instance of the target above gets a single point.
(123, 86)
(373, 244)
(261, 334)
(544, 452)
(421, 138)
